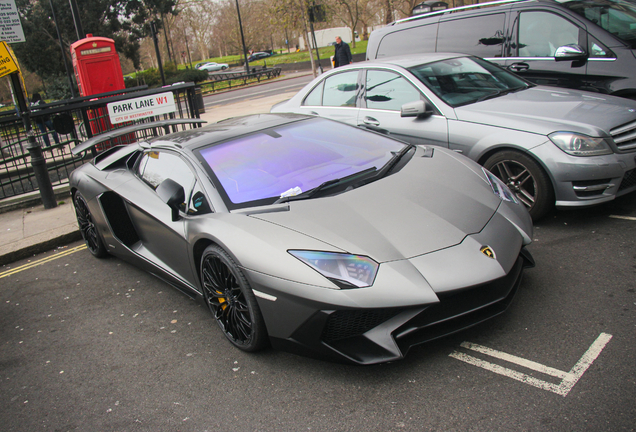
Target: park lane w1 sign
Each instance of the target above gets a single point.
(139, 108)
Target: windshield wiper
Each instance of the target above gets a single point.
(388, 166)
(312, 192)
(498, 93)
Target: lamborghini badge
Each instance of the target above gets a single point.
(486, 250)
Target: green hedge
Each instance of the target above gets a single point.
(152, 77)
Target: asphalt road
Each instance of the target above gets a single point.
(97, 345)
(263, 90)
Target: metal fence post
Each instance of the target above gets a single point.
(35, 150)
(38, 162)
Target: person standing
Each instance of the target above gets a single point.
(342, 56)
(44, 122)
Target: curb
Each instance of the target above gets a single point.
(32, 199)
(44, 246)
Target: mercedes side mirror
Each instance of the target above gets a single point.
(571, 52)
(418, 109)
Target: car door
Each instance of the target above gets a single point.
(334, 97)
(385, 92)
(536, 35)
(162, 240)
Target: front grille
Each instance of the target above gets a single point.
(344, 324)
(629, 180)
(460, 310)
(625, 136)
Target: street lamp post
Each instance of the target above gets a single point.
(247, 66)
(59, 38)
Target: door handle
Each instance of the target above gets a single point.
(314, 113)
(371, 121)
(374, 128)
(518, 67)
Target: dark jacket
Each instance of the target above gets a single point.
(342, 56)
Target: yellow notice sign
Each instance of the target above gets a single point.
(7, 62)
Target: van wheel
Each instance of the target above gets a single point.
(525, 178)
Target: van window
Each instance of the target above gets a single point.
(597, 49)
(541, 33)
(420, 39)
(616, 16)
(481, 35)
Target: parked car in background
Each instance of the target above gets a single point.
(550, 146)
(313, 235)
(586, 45)
(213, 67)
(258, 56)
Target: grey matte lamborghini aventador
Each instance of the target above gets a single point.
(309, 234)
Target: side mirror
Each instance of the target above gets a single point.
(416, 109)
(172, 193)
(571, 52)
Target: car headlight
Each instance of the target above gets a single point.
(580, 145)
(499, 188)
(344, 270)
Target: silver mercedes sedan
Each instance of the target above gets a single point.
(551, 146)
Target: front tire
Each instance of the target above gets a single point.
(231, 300)
(525, 178)
(87, 227)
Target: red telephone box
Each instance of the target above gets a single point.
(97, 69)
(96, 65)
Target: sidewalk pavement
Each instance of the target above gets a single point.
(32, 230)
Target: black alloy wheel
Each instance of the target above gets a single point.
(231, 300)
(87, 227)
(526, 179)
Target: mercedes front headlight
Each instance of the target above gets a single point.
(580, 145)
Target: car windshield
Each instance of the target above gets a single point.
(466, 80)
(616, 16)
(261, 168)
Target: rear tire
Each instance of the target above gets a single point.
(87, 227)
(527, 180)
(231, 300)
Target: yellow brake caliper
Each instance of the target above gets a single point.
(222, 301)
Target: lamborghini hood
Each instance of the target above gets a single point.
(431, 204)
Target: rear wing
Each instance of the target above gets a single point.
(92, 142)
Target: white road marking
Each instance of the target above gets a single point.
(514, 359)
(569, 379)
(631, 218)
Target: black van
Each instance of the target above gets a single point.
(582, 44)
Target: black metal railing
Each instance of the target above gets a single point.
(60, 126)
